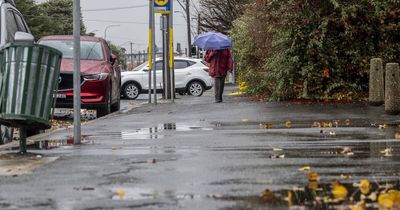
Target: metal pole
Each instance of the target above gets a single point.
(171, 48)
(164, 28)
(77, 71)
(131, 56)
(189, 33)
(153, 26)
(22, 140)
(150, 49)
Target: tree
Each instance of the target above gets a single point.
(218, 15)
(53, 17)
(33, 15)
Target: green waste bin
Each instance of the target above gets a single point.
(30, 75)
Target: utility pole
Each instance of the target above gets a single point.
(189, 33)
(77, 70)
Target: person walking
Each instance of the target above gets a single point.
(220, 63)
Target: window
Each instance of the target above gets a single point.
(11, 26)
(159, 65)
(191, 63)
(20, 23)
(180, 64)
(90, 50)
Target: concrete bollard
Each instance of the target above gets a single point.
(392, 89)
(376, 83)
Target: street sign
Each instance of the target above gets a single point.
(162, 6)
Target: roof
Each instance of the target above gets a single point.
(71, 37)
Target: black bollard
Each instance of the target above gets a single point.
(392, 89)
(376, 83)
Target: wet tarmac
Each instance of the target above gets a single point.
(195, 154)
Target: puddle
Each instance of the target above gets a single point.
(159, 131)
(343, 123)
(146, 194)
(65, 143)
(14, 164)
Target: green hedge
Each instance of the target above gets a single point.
(286, 49)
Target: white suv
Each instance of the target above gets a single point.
(191, 77)
(13, 28)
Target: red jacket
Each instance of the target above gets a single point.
(219, 62)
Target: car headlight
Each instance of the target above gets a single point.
(99, 77)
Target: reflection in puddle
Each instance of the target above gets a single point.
(52, 144)
(145, 194)
(159, 131)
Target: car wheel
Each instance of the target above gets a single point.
(195, 88)
(131, 90)
(6, 134)
(106, 108)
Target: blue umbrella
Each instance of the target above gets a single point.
(213, 41)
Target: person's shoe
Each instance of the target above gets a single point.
(218, 101)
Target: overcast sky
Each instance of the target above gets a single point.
(133, 22)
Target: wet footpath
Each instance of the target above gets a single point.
(197, 154)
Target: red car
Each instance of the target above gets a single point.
(100, 74)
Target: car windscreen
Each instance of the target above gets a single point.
(140, 66)
(90, 50)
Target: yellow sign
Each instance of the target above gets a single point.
(161, 2)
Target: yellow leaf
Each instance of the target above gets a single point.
(120, 193)
(288, 124)
(385, 201)
(267, 195)
(365, 186)
(338, 191)
(313, 176)
(268, 125)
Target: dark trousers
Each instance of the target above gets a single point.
(219, 84)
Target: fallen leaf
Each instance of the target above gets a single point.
(288, 124)
(387, 152)
(346, 150)
(245, 120)
(338, 191)
(347, 122)
(120, 193)
(305, 169)
(342, 176)
(381, 127)
(313, 176)
(267, 195)
(332, 133)
(364, 186)
(385, 201)
(316, 125)
(268, 125)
